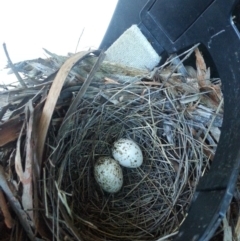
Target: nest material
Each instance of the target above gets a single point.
(150, 203)
(175, 120)
(154, 197)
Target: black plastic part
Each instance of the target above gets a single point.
(205, 207)
(156, 45)
(214, 29)
(125, 15)
(174, 25)
(169, 15)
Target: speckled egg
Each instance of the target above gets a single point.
(108, 174)
(127, 153)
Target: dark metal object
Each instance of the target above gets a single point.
(174, 25)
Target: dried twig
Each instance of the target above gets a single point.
(13, 67)
(79, 39)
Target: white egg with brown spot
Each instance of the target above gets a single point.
(108, 174)
(127, 153)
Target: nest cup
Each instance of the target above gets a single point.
(154, 197)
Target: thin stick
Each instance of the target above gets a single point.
(69, 223)
(188, 52)
(210, 125)
(79, 40)
(180, 62)
(13, 67)
(167, 236)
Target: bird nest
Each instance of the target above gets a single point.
(174, 119)
(151, 201)
(155, 196)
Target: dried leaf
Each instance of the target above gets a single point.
(27, 195)
(207, 101)
(208, 75)
(212, 97)
(9, 131)
(53, 97)
(25, 175)
(202, 73)
(18, 159)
